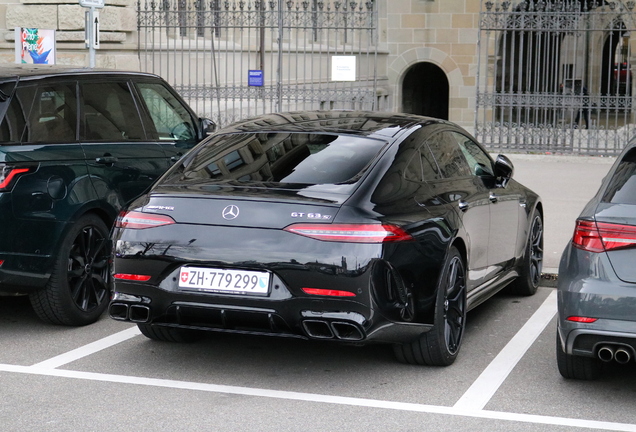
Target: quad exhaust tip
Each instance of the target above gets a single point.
(126, 312)
(340, 330)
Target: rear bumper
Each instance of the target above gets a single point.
(305, 318)
(389, 288)
(24, 273)
(587, 342)
(27, 250)
(588, 287)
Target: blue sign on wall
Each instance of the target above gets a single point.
(255, 78)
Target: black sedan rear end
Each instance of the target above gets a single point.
(306, 225)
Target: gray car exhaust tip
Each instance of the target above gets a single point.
(606, 353)
(622, 356)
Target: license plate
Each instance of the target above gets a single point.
(224, 280)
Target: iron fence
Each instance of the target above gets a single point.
(235, 59)
(556, 76)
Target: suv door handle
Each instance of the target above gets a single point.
(463, 205)
(493, 198)
(106, 160)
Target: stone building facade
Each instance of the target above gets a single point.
(118, 36)
(432, 54)
(427, 49)
(506, 70)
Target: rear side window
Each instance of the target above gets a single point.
(109, 113)
(282, 158)
(423, 166)
(449, 157)
(14, 120)
(622, 186)
(49, 111)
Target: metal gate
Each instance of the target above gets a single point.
(235, 59)
(556, 75)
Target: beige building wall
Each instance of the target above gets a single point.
(118, 24)
(441, 32)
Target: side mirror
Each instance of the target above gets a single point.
(504, 169)
(207, 126)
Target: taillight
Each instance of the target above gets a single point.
(601, 236)
(584, 320)
(351, 233)
(328, 292)
(132, 277)
(139, 220)
(9, 175)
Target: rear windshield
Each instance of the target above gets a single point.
(622, 186)
(289, 158)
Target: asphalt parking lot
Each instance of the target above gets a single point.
(108, 377)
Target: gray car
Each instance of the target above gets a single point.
(597, 278)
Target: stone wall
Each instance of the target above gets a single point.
(442, 32)
(118, 26)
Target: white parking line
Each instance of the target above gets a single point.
(471, 404)
(89, 349)
(483, 389)
(317, 398)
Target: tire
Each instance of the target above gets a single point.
(77, 292)
(576, 367)
(440, 345)
(169, 334)
(532, 262)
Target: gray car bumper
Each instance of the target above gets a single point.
(589, 287)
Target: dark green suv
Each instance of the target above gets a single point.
(76, 145)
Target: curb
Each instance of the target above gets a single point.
(549, 278)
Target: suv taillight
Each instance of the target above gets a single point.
(139, 220)
(602, 236)
(9, 175)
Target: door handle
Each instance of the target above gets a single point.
(176, 157)
(493, 198)
(106, 160)
(463, 205)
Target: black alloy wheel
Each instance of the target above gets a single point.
(454, 306)
(77, 293)
(532, 265)
(440, 345)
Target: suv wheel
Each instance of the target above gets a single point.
(77, 293)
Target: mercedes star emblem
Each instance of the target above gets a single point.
(230, 212)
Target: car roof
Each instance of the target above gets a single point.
(41, 71)
(366, 123)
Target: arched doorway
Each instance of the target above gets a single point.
(425, 91)
(616, 70)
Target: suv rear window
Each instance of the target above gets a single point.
(622, 186)
(298, 158)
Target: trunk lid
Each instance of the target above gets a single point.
(245, 206)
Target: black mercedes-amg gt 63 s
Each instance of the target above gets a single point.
(344, 226)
